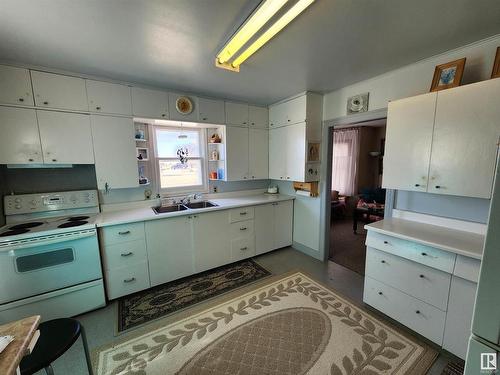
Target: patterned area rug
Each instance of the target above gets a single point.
(289, 324)
(454, 368)
(164, 299)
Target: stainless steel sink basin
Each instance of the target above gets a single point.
(166, 209)
(201, 204)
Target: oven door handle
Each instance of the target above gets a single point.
(46, 240)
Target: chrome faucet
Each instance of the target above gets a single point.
(187, 199)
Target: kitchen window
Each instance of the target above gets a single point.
(174, 174)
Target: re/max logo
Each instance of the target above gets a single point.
(488, 361)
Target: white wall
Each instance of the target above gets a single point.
(414, 79)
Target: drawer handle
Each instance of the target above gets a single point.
(421, 276)
(243, 213)
(129, 280)
(380, 293)
(244, 248)
(124, 233)
(382, 261)
(243, 228)
(127, 254)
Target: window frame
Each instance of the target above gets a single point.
(203, 188)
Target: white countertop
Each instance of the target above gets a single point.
(132, 215)
(456, 241)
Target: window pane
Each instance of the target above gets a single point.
(175, 174)
(168, 142)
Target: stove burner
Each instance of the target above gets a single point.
(13, 232)
(32, 224)
(77, 218)
(72, 224)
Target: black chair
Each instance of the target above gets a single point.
(56, 337)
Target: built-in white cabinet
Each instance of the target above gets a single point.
(15, 84)
(170, 248)
(444, 142)
(258, 154)
(176, 115)
(277, 153)
(150, 103)
(114, 150)
(306, 107)
(20, 140)
(66, 137)
(59, 91)
(211, 111)
(105, 97)
(236, 114)
(273, 226)
(236, 153)
(258, 117)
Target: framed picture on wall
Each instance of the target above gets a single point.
(313, 152)
(495, 73)
(448, 75)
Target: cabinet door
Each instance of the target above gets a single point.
(66, 138)
(170, 249)
(258, 153)
(149, 103)
(408, 139)
(296, 152)
(176, 115)
(236, 114)
(20, 140)
(58, 91)
(211, 240)
(211, 111)
(459, 316)
(105, 97)
(283, 224)
(15, 86)
(258, 116)
(236, 153)
(277, 153)
(295, 110)
(114, 150)
(277, 115)
(464, 146)
(264, 228)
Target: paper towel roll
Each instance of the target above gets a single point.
(303, 193)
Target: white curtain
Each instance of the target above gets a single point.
(345, 160)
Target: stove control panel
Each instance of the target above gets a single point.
(28, 203)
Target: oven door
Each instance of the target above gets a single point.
(43, 264)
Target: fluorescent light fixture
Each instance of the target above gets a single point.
(293, 12)
(258, 19)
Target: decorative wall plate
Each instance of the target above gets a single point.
(184, 105)
(357, 103)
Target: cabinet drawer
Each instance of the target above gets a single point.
(242, 248)
(127, 280)
(467, 268)
(241, 214)
(122, 233)
(124, 254)
(411, 312)
(432, 257)
(425, 283)
(242, 229)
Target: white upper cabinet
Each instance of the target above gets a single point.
(66, 137)
(15, 86)
(277, 153)
(149, 103)
(211, 111)
(408, 139)
(114, 150)
(258, 117)
(258, 153)
(105, 97)
(58, 91)
(20, 140)
(289, 112)
(236, 153)
(465, 142)
(236, 114)
(296, 152)
(176, 115)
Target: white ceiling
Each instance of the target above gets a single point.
(172, 43)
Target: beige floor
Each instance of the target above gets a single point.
(100, 324)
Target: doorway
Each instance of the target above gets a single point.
(356, 194)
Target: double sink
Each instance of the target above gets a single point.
(182, 207)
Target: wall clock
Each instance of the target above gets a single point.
(184, 105)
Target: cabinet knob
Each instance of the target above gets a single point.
(386, 242)
(438, 187)
(380, 293)
(421, 276)
(271, 124)
(46, 103)
(417, 185)
(31, 159)
(204, 119)
(243, 213)
(129, 280)
(54, 160)
(21, 99)
(417, 312)
(163, 115)
(244, 177)
(382, 261)
(288, 120)
(244, 122)
(243, 228)
(243, 248)
(424, 254)
(288, 177)
(98, 108)
(253, 123)
(253, 176)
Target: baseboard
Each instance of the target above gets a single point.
(307, 250)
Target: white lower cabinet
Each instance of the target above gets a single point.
(273, 226)
(127, 280)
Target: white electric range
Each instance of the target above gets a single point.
(49, 256)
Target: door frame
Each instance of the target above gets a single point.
(326, 172)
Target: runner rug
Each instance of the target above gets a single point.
(287, 325)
